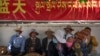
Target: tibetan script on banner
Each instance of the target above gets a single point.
(49, 5)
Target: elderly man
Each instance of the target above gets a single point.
(91, 42)
(32, 43)
(17, 43)
(48, 45)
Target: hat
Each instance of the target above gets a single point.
(69, 35)
(18, 29)
(49, 30)
(33, 30)
(69, 27)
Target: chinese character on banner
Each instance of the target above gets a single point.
(19, 6)
(4, 6)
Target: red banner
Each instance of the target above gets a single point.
(46, 10)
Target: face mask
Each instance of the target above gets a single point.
(55, 40)
(17, 33)
(69, 44)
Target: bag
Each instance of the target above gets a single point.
(3, 50)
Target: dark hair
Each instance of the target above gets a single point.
(88, 28)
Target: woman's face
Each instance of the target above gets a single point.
(70, 39)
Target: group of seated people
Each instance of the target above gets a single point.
(60, 43)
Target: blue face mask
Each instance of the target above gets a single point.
(17, 33)
(55, 40)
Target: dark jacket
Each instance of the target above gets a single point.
(66, 50)
(52, 51)
(37, 46)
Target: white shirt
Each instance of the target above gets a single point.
(60, 34)
(49, 40)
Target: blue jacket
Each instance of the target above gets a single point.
(17, 42)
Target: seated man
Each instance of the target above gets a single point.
(91, 42)
(32, 43)
(17, 43)
(48, 45)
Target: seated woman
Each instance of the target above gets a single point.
(32, 43)
(69, 45)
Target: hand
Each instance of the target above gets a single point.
(32, 48)
(43, 54)
(20, 54)
(8, 53)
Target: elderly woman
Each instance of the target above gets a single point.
(32, 43)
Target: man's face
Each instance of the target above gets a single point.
(68, 31)
(49, 34)
(18, 32)
(88, 32)
(33, 34)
